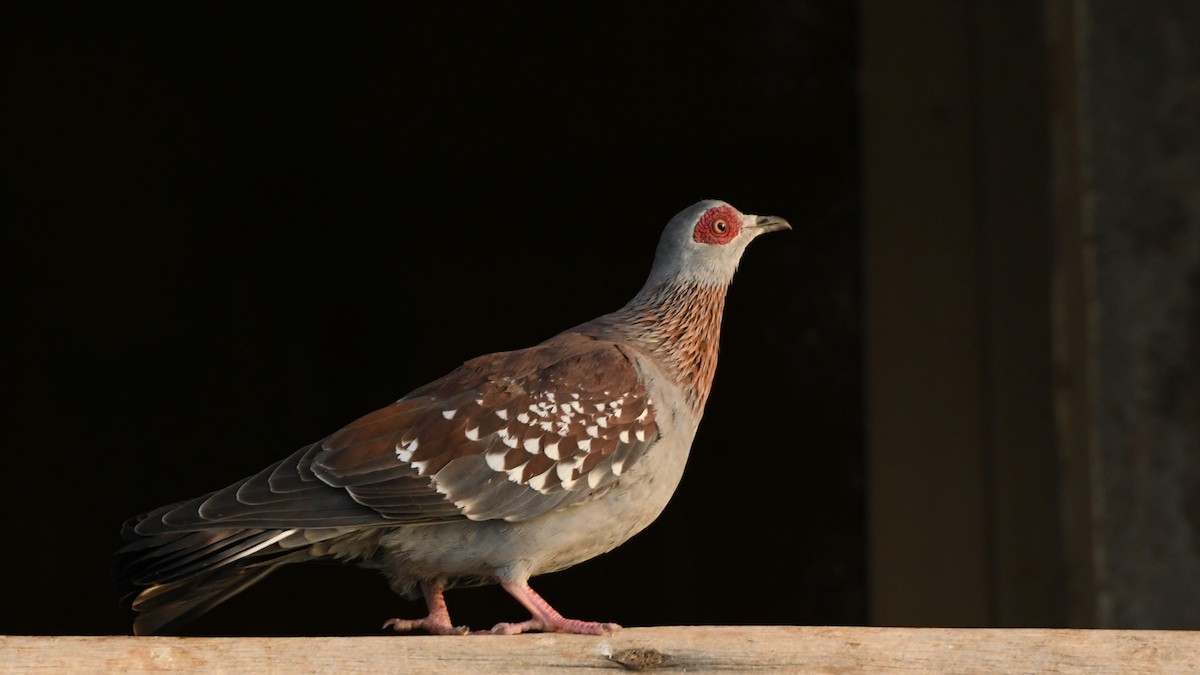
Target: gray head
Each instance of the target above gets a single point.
(704, 242)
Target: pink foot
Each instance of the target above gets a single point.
(545, 618)
(437, 623)
(563, 626)
(434, 625)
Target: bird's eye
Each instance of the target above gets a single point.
(719, 225)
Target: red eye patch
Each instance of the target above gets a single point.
(718, 225)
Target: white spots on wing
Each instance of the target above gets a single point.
(420, 466)
(510, 441)
(565, 472)
(540, 481)
(564, 427)
(405, 452)
(495, 460)
(438, 487)
(514, 474)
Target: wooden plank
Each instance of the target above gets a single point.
(818, 649)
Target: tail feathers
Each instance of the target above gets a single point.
(170, 579)
(166, 607)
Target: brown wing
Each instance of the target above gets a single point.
(506, 436)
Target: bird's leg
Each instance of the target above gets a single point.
(545, 618)
(438, 620)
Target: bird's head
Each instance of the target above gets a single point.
(704, 242)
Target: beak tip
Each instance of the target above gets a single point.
(771, 223)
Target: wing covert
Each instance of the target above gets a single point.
(505, 436)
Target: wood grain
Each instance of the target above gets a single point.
(691, 649)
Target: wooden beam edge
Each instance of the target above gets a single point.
(703, 648)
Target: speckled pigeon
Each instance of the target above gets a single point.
(514, 464)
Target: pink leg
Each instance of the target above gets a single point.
(438, 621)
(545, 618)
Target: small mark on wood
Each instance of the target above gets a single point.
(640, 658)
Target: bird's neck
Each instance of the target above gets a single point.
(680, 325)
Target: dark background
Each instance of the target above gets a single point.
(230, 232)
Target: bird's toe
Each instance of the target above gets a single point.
(428, 624)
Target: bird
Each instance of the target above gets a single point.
(514, 464)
